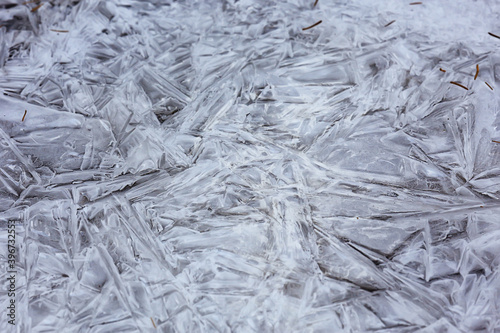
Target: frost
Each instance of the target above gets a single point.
(210, 166)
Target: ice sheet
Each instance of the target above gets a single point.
(210, 166)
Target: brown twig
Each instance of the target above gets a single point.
(25, 111)
(489, 33)
(458, 84)
(34, 9)
(388, 24)
(415, 3)
(488, 85)
(57, 30)
(442, 70)
(312, 26)
(495, 141)
(153, 321)
(477, 72)
(315, 3)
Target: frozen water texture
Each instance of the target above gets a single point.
(208, 166)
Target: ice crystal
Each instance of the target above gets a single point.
(211, 166)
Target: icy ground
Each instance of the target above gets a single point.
(211, 166)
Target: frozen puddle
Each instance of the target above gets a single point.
(211, 166)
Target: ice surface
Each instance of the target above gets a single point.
(209, 166)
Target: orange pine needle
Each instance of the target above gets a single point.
(25, 111)
(477, 72)
(493, 35)
(34, 9)
(388, 24)
(442, 70)
(458, 84)
(415, 3)
(152, 321)
(312, 26)
(488, 85)
(495, 141)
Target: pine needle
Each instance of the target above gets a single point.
(34, 9)
(489, 33)
(312, 26)
(388, 24)
(458, 84)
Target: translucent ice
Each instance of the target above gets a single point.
(210, 166)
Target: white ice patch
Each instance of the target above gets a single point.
(210, 166)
